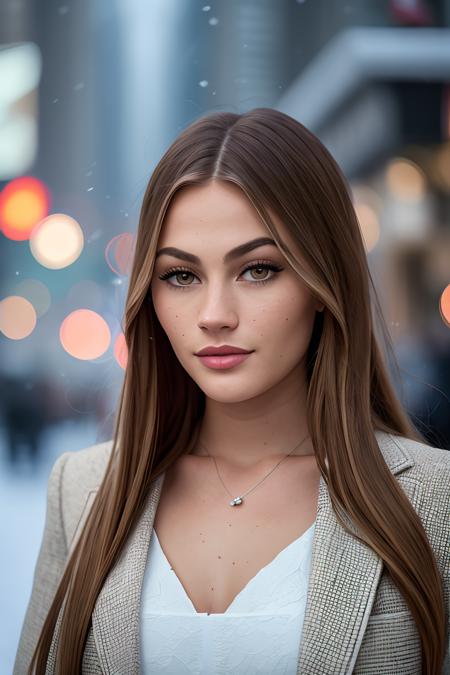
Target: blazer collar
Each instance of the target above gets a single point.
(344, 575)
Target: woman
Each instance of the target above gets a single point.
(273, 512)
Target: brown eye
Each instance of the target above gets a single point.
(261, 268)
(180, 276)
(183, 276)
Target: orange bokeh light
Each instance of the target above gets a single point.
(121, 351)
(23, 204)
(17, 317)
(85, 335)
(444, 305)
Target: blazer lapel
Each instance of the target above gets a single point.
(344, 576)
(115, 619)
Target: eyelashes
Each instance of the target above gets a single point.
(260, 264)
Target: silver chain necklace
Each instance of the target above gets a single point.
(236, 501)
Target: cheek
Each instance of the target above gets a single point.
(286, 326)
(291, 312)
(166, 314)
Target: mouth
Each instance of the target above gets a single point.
(223, 361)
(223, 350)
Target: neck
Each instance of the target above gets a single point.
(248, 433)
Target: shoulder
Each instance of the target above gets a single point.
(84, 469)
(77, 475)
(417, 457)
(431, 472)
(423, 471)
(425, 477)
(424, 453)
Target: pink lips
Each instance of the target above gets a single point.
(222, 362)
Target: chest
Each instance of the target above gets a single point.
(215, 549)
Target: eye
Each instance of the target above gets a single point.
(260, 266)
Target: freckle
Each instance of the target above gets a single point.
(212, 588)
(220, 557)
(203, 541)
(229, 524)
(234, 563)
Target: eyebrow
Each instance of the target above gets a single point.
(228, 257)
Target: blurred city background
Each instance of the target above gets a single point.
(92, 94)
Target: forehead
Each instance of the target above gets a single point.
(217, 212)
(217, 209)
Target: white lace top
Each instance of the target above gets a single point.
(259, 633)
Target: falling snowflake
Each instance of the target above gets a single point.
(203, 83)
(206, 8)
(213, 21)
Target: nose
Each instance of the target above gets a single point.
(217, 310)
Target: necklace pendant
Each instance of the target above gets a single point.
(236, 501)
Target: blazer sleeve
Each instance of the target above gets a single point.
(48, 571)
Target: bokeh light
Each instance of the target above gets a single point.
(443, 166)
(370, 227)
(85, 335)
(121, 351)
(57, 241)
(17, 317)
(405, 180)
(37, 293)
(444, 305)
(367, 204)
(24, 202)
(119, 253)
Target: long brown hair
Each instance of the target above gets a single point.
(284, 168)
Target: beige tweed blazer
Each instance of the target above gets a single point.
(356, 620)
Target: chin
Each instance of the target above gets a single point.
(232, 394)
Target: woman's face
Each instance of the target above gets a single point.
(212, 302)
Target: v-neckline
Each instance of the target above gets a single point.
(249, 582)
